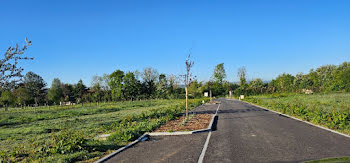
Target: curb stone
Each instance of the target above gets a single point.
(185, 132)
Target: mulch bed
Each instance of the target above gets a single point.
(195, 122)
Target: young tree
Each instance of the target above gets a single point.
(219, 73)
(188, 78)
(55, 93)
(10, 73)
(36, 86)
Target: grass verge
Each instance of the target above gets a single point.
(66, 134)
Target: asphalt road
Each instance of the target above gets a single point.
(244, 133)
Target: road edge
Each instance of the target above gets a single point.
(204, 150)
(141, 138)
(312, 124)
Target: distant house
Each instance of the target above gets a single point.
(307, 91)
(66, 103)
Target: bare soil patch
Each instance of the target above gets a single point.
(195, 122)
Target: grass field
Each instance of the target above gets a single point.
(67, 133)
(329, 110)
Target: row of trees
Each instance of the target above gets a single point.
(31, 89)
(329, 78)
(148, 84)
(116, 86)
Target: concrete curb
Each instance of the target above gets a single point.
(201, 157)
(336, 132)
(141, 138)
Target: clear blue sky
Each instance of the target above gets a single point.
(75, 40)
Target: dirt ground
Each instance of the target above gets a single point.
(195, 122)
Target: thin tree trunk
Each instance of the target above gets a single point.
(186, 102)
(210, 94)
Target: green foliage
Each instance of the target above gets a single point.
(242, 74)
(194, 89)
(67, 141)
(79, 91)
(35, 85)
(256, 86)
(162, 87)
(219, 73)
(331, 160)
(55, 93)
(23, 96)
(7, 98)
(116, 84)
(131, 87)
(330, 110)
(66, 133)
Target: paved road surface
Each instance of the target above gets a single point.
(244, 133)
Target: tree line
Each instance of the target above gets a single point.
(117, 86)
(31, 89)
(328, 78)
(149, 84)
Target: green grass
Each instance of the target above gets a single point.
(66, 133)
(330, 110)
(331, 160)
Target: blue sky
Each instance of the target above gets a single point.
(75, 40)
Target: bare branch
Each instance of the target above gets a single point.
(10, 73)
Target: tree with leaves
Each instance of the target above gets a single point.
(10, 72)
(68, 92)
(242, 75)
(116, 84)
(162, 86)
(149, 77)
(173, 85)
(36, 87)
(219, 73)
(79, 90)
(23, 96)
(7, 99)
(131, 87)
(55, 94)
(256, 86)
